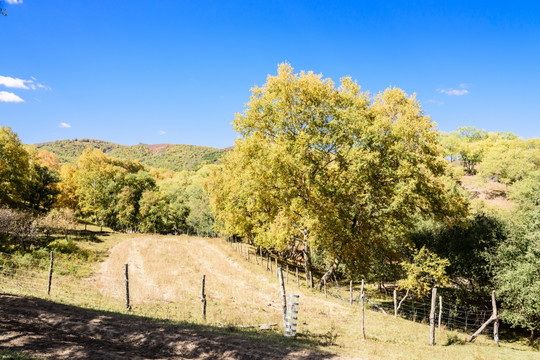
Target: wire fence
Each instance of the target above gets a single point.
(452, 316)
(77, 284)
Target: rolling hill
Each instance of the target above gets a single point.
(175, 157)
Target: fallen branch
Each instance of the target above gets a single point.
(376, 306)
(473, 336)
(401, 302)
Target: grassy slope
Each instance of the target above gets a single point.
(167, 156)
(165, 274)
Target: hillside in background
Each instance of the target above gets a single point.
(166, 156)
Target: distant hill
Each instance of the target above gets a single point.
(166, 156)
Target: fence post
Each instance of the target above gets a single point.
(432, 317)
(287, 274)
(297, 278)
(440, 311)
(350, 293)
(51, 265)
(362, 310)
(496, 318)
(128, 305)
(310, 281)
(268, 264)
(277, 268)
(395, 303)
(203, 297)
(283, 297)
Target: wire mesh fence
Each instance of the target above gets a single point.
(78, 284)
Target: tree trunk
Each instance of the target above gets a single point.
(307, 263)
(328, 274)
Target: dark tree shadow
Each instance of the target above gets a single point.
(44, 328)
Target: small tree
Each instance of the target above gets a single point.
(424, 272)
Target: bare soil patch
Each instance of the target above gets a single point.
(46, 329)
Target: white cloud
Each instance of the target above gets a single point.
(161, 132)
(9, 97)
(13, 82)
(14, 2)
(64, 125)
(16, 83)
(455, 92)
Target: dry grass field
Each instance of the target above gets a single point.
(165, 278)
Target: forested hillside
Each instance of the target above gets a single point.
(166, 156)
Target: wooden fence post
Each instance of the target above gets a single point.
(283, 296)
(128, 305)
(287, 274)
(496, 318)
(350, 293)
(277, 268)
(395, 303)
(297, 278)
(203, 297)
(432, 317)
(310, 281)
(268, 264)
(51, 265)
(440, 311)
(362, 310)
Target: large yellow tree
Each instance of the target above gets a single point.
(331, 168)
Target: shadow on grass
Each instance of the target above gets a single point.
(49, 329)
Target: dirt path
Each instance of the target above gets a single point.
(54, 331)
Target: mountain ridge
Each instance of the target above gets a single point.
(176, 157)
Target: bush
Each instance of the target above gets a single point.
(18, 230)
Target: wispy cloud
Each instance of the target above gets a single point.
(9, 97)
(16, 83)
(455, 92)
(436, 102)
(14, 2)
(64, 125)
(161, 132)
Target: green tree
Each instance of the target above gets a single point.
(317, 166)
(99, 181)
(155, 212)
(40, 191)
(200, 219)
(14, 169)
(518, 262)
(134, 185)
(175, 189)
(510, 160)
(469, 248)
(425, 271)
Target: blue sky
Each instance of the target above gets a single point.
(173, 71)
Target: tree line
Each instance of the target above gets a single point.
(121, 194)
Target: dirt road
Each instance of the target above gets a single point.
(45, 329)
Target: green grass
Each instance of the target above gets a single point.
(6, 354)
